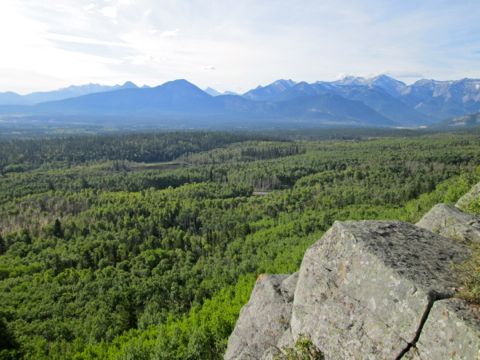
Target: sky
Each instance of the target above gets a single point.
(233, 44)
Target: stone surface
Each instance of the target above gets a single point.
(465, 200)
(264, 320)
(449, 221)
(452, 331)
(285, 341)
(412, 354)
(371, 290)
(365, 286)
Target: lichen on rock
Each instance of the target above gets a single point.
(450, 222)
(264, 319)
(364, 288)
(370, 290)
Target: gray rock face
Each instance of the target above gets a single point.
(449, 221)
(465, 200)
(264, 319)
(452, 331)
(369, 290)
(364, 288)
(275, 352)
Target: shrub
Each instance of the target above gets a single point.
(303, 349)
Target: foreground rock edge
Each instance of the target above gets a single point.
(373, 331)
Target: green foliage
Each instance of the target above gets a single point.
(303, 349)
(22, 155)
(473, 206)
(9, 347)
(469, 272)
(107, 253)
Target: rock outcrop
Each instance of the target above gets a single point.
(370, 290)
(449, 221)
(466, 200)
(264, 319)
(364, 289)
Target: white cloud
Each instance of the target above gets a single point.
(109, 11)
(82, 40)
(169, 33)
(247, 42)
(89, 7)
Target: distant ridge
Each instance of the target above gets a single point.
(11, 98)
(380, 101)
(177, 95)
(212, 91)
(425, 101)
(269, 92)
(182, 98)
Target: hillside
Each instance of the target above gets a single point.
(11, 98)
(148, 245)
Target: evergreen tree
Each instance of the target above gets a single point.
(57, 229)
(3, 245)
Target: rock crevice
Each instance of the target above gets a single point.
(370, 290)
(412, 345)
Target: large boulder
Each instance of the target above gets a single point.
(449, 221)
(265, 319)
(369, 290)
(365, 288)
(473, 195)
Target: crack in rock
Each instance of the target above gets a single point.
(423, 320)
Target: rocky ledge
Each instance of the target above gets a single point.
(370, 290)
(449, 221)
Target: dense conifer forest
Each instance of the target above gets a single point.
(146, 246)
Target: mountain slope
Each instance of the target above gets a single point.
(212, 91)
(442, 99)
(11, 98)
(305, 89)
(374, 93)
(269, 92)
(384, 104)
(333, 110)
(388, 84)
(465, 121)
(377, 101)
(178, 95)
(422, 102)
(181, 100)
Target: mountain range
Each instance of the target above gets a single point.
(352, 101)
(11, 98)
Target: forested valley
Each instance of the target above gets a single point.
(146, 246)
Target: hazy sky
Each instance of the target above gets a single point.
(233, 45)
